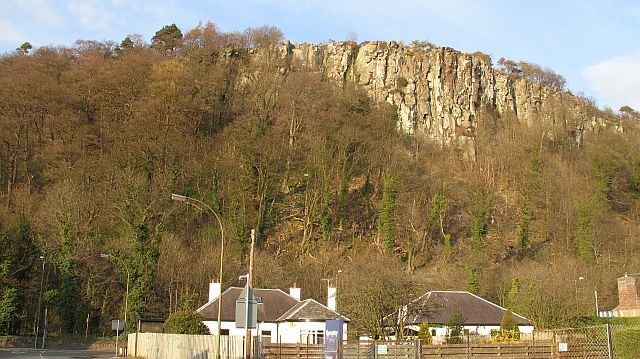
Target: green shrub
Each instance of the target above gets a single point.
(185, 322)
(424, 334)
(455, 325)
(401, 82)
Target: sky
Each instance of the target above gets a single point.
(594, 44)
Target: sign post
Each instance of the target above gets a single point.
(247, 313)
(117, 325)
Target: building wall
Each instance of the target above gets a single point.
(629, 303)
(285, 332)
(441, 332)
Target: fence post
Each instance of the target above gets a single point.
(533, 339)
(609, 342)
(418, 348)
(468, 348)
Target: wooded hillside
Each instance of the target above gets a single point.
(95, 137)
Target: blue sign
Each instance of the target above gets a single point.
(333, 338)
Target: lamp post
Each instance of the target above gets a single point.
(126, 298)
(39, 304)
(199, 205)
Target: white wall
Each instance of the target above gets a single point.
(482, 330)
(285, 332)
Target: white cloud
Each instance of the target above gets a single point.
(38, 9)
(91, 14)
(616, 80)
(10, 34)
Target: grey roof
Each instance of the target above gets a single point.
(310, 310)
(438, 307)
(275, 306)
(274, 303)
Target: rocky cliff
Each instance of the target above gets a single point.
(439, 92)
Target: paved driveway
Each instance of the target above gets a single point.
(52, 353)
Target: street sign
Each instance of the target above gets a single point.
(242, 310)
(117, 325)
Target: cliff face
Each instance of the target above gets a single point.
(439, 92)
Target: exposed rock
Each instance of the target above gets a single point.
(439, 92)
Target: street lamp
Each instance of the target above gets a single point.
(126, 298)
(39, 304)
(199, 205)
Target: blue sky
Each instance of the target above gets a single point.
(593, 43)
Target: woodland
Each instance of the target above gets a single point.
(94, 138)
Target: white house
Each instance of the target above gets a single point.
(282, 317)
(480, 315)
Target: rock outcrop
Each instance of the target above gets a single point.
(439, 92)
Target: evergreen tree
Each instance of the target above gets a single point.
(584, 236)
(168, 38)
(9, 311)
(387, 211)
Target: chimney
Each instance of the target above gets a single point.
(214, 291)
(629, 305)
(295, 292)
(627, 293)
(331, 297)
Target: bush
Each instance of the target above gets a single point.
(401, 82)
(185, 322)
(424, 334)
(455, 324)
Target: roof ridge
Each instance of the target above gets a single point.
(494, 304)
(291, 311)
(213, 300)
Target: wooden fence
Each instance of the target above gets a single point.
(409, 350)
(179, 346)
(493, 350)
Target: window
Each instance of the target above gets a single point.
(265, 336)
(224, 331)
(312, 336)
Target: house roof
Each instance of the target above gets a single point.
(439, 306)
(310, 310)
(274, 303)
(274, 306)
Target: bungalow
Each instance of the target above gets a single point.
(480, 315)
(282, 317)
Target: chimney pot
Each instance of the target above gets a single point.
(214, 291)
(295, 292)
(331, 297)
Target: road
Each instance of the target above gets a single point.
(23, 353)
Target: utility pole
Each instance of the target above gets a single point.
(248, 335)
(253, 242)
